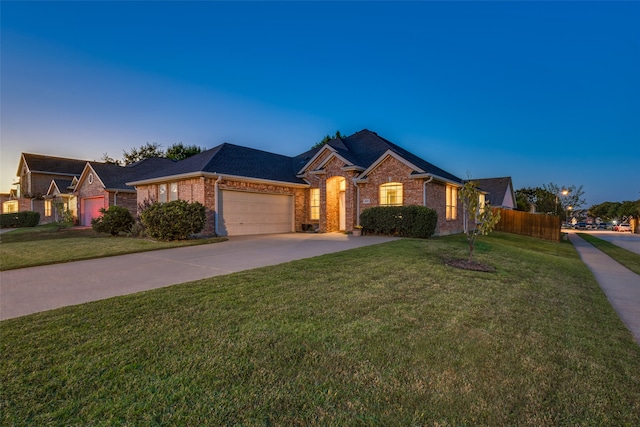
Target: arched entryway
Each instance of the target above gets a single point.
(336, 206)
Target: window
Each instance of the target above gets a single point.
(10, 206)
(452, 202)
(47, 207)
(314, 204)
(162, 193)
(173, 194)
(481, 202)
(391, 194)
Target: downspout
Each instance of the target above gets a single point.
(357, 200)
(424, 190)
(115, 198)
(216, 205)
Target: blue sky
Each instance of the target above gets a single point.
(539, 91)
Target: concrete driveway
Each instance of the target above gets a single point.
(31, 290)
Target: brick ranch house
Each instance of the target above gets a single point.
(248, 191)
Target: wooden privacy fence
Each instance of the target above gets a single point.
(535, 225)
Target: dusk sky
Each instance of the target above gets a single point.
(539, 91)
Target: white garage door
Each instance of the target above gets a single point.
(254, 213)
(91, 209)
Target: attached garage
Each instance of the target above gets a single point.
(90, 208)
(243, 212)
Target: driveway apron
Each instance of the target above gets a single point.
(620, 285)
(31, 290)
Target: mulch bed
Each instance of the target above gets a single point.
(465, 264)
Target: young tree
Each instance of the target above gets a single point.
(477, 219)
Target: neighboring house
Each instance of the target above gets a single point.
(35, 172)
(249, 191)
(102, 185)
(501, 194)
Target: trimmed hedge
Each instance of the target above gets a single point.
(19, 219)
(114, 220)
(176, 220)
(405, 221)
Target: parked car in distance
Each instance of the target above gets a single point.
(624, 227)
(603, 226)
(580, 226)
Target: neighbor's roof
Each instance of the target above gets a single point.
(115, 177)
(54, 165)
(496, 187)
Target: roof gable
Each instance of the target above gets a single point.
(500, 190)
(365, 149)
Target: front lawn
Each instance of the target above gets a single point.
(52, 244)
(383, 335)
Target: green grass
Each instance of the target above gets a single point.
(625, 257)
(383, 335)
(53, 244)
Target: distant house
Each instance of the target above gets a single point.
(104, 184)
(249, 191)
(35, 172)
(500, 192)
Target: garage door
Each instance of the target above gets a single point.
(91, 209)
(254, 213)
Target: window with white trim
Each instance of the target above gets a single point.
(452, 202)
(47, 207)
(314, 204)
(391, 194)
(162, 193)
(173, 191)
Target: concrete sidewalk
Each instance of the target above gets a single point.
(620, 285)
(31, 290)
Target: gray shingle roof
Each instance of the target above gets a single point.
(365, 147)
(496, 187)
(362, 149)
(235, 160)
(115, 177)
(58, 165)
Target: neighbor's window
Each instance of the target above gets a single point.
(10, 206)
(314, 203)
(482, 201)
(391, 194)
(173, 194)
(452, 202)
(47, 207)
(162, 193)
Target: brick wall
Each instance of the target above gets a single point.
(126, 200)
(202, 190)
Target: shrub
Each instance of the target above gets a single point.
(114, 220)
(19, 219)
(406, 221)
(176, 220)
